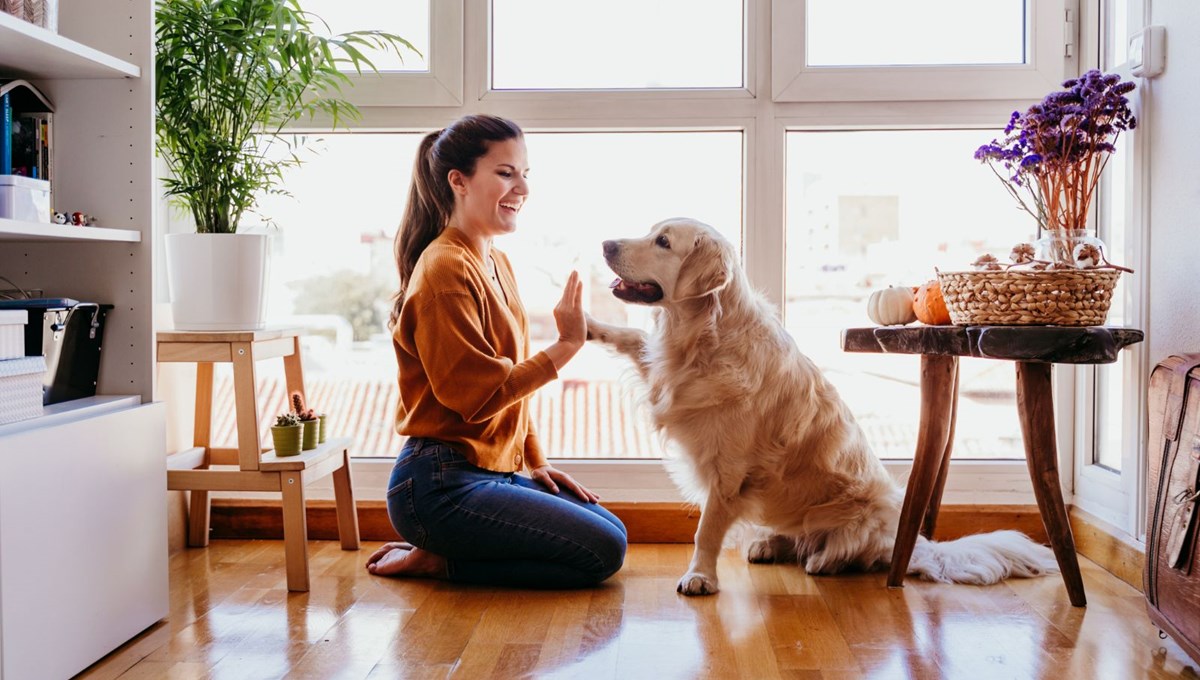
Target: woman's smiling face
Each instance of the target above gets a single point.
(487, 202)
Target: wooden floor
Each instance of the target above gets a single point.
(232, 617)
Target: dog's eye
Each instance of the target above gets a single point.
(662, 242)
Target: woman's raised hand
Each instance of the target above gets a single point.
(568, 313)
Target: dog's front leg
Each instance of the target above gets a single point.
(628, 341)
(715, 520)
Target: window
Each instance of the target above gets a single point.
(937, 32)
(434, 27)
(662, 110)
(1108, 468)
(616, 44)
(409, 20)
(866, 210)
(877, 50)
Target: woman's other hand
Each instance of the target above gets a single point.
(553, 478)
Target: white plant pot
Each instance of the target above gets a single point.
(218, 281)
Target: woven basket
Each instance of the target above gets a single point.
(1021, 297)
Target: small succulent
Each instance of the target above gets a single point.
(301, 411)
(286, 420)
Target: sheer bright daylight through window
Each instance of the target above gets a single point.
(616, 44)
(863, 32)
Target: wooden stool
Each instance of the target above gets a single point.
(256, 469)
(1034, 349)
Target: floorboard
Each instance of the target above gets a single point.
(231, 616)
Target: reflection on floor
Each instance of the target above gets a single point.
(231, 617)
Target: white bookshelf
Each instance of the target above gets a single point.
(16, 230)
(29, 51)
(90, 473)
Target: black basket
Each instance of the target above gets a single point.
(69, 334)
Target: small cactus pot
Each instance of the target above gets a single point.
(287, 439)
(311, 430)
(322, 432)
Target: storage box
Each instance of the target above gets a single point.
(12, 333)
(69, 334)
(21, 388)
(24, 198)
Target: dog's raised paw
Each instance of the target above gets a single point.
(697, 584)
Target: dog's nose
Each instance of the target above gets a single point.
(611, 248)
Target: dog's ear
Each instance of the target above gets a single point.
(705, 270)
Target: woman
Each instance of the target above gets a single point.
(466, 375)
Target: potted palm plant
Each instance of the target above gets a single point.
(230, 76)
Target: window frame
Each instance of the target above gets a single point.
(1118, 497)
(793, 80)
(441, 85)
(458, 83)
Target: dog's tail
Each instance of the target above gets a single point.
(981, 559)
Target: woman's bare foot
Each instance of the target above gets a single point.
(402, 559)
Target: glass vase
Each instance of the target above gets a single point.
(1058, 245)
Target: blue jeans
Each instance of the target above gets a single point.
(499, 528)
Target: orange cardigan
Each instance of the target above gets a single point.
(463, 351)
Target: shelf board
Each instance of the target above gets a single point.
(72, 411)
(28, 51)
(16, 230)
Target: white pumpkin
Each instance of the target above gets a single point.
(891, 306)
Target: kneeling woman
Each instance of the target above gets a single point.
(466, 375)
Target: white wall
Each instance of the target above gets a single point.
(1174, 181)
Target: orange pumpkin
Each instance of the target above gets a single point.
(930, 306)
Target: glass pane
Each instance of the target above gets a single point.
(332, 272)
(409, 20)
(870, 209)
(1110, 385)
(587, 188)
(1116, 32)
(933, 32)
(551, 44)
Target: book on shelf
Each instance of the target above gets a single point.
(26, 132)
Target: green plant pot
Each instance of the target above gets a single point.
(322, 432)
(311, 428)
(287, 439)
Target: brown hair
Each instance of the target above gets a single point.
(430, 199)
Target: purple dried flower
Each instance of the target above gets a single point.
(1050, 157)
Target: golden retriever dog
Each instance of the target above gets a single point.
(763, 436)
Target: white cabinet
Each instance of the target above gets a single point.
(83, 536)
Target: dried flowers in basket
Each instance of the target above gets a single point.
(1050, 160)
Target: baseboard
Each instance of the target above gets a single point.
(676, 523)
(1108, 547)
(647, 522)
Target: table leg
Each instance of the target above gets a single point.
(198, 505)
(937, 407)
(347, 513)
(935, 502)
(245, 399)
(1035, 404)
(295, 530)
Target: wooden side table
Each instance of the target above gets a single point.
(1034, 349)
(249, 468)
